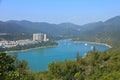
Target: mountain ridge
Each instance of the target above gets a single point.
(97, 31)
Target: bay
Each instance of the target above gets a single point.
(38, 59)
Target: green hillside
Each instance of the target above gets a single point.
(106, 32)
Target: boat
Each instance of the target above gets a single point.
(86, 44)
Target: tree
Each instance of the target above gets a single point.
(94, 49)
(77, 57)
(6, 65)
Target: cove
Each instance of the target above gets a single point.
(38, 59)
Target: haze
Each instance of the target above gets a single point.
(58, 11)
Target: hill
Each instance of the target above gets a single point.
(13, 27)
(107, 31)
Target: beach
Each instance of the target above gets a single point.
(95, 43)
(28, 49)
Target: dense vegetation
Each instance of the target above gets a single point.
(16, 36)
(94, 66)
(12, 69)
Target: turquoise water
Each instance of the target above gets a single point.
(38, 59)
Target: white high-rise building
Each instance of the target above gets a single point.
(39, 37)
(45, 37)
(34, 37)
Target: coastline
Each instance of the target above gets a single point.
(95, 43)
(29, 49)
(55, 45)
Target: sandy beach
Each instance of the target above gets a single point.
(28, 49)
(95, 43)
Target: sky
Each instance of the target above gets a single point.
(59, 11)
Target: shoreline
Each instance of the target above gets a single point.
(55, 45)
(95, 43)
(28, 49)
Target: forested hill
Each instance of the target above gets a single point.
(107, 31)
(28, 27)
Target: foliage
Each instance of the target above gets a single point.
(9, 70)
(5, 65)
(94, 66)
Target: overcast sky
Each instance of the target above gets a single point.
(58, 11)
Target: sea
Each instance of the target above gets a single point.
(38, 59)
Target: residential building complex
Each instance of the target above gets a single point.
(39, 37)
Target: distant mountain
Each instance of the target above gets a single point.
(63, 29)
(6, 27)
(106, 31)
(114, 20)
